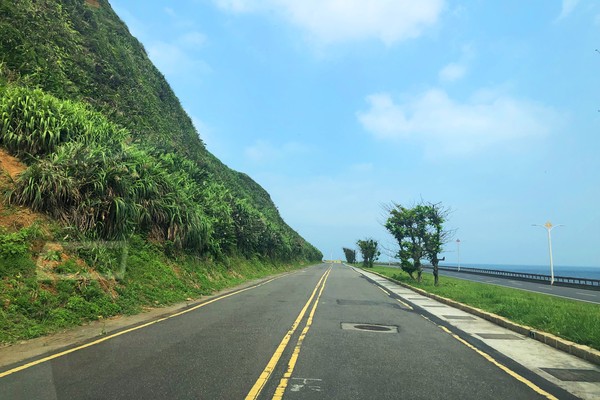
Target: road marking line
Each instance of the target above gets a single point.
(404, 304)
(114, 335)
(266, 373)
(383, 290)
(294, 358)
(586, 294)
(504, 368)
(388, 293)
(297, 387)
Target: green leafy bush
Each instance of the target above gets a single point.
(15, 257)
(33, 122)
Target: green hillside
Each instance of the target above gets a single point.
(111, 157)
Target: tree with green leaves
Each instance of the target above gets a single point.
(420, 235)
(435, 214)
(406, 226)
(370, 251)
(350, 255)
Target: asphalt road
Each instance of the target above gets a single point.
(285, 337)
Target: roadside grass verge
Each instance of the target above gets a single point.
(573, 320)
(31, 306)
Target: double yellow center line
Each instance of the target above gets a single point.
(268, 371)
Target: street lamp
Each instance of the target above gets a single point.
(458, 252)
(548, 226)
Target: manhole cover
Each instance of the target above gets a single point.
(577, 375)
(378, 328)
(369, 327)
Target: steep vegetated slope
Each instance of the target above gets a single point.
(112, 158)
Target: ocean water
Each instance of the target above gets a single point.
(559, 270)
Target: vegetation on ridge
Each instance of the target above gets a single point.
(111, 149)
(142, 214)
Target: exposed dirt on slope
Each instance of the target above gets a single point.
(10, 164)
(13, 217)
(93, 3)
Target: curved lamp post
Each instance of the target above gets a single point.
(458, 252)
(548, 226)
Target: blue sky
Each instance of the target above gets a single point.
(338, 107)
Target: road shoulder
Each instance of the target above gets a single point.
(545, 361)
(27, 350)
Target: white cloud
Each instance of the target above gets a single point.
(567, 7)
(333, 21)
(263, 151)
(172, 59)
(362, 167)
(302, 203)
(457, 70)
(193, 39)
(452, 72)
(170, 12)
(201, 128)
(136, 27)
(238, 6)
(448, 126)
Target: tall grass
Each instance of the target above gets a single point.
(34, 123)
(86, 172)
(111, 193)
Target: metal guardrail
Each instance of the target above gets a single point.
(586, 283)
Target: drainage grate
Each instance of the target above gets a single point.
(500, 336)
(369, 327)
(461, 317)
(577, 375)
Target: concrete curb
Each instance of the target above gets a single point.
(578, 350)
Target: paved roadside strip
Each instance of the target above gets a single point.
(578, 376)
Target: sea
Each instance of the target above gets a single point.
(559, 270)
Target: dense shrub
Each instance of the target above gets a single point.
(86, 173)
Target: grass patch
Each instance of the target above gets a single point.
(30, 307)
(573, 320)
